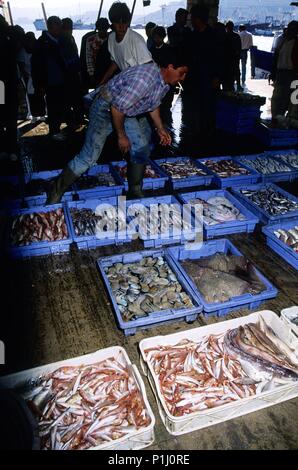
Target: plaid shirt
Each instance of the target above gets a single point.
(137, 90)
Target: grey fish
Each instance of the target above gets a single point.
(218, 210)
(290, 159)
(271, 200)
(236, 347)
(265, 165)
(85, 221)
(90, 181)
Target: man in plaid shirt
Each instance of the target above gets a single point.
(132, 93)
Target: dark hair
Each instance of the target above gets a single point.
(150, 25)
(30, 35)
(201, 12)
(230, 24)
(67, 23)
(159, 31)
(54, 21)
(180, 12)
(102, 24)
(293, 24)
(242, 27)
(119, 13)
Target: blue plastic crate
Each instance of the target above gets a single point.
(274, 177)
(90, 242)
(252, 178)
(155, 318)
(40, 200)
(259, 212)
(238, 118)
(148, 183)
(281, 248)
(236, 226)
(210, 248)
(275, 153)
(101, 191)
(157, 241)
(186, 182)
(235, 129)
(40, 248)
(276, 137)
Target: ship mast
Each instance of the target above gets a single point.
(44, 12)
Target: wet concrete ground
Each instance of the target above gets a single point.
(58, 308)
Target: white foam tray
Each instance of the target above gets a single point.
(287, 314)
(206, 418)
(135, 441)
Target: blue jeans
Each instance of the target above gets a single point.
(100, 126)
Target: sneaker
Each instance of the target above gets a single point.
(60, 137)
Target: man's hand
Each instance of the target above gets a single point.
(165, 138)
(124, 143)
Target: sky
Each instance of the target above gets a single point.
(76, 7)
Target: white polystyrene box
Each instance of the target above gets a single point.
(205, 418)
(135, 441)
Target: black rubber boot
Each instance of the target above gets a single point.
(60, 185)
(135, 176)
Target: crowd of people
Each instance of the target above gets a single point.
(50, 76)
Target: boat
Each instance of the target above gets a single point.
(264, 32)
(40, 25)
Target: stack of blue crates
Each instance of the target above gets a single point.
(240, 119)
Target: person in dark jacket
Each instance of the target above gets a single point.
(149, 28)
(202, 50)
(74, 89)
(91, 46)
(49, 75)
(178, 32)
(162, 54)
(8, 93)
(232, 54)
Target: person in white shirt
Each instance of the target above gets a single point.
(128, 49)
(246, 45)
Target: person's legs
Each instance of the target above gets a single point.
(53, 99)
(243, 66)
(100, 126)
(281, 98)
(139, 134)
